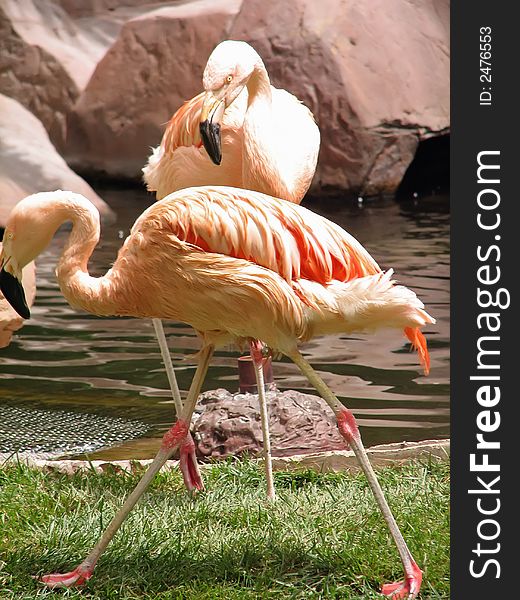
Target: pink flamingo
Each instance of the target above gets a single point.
(257, 136)
(244, 124)
(238, 266)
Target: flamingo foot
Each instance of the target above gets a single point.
(189, 466)
(407, 589)
(78, 577)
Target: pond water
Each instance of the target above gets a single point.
(72, 383)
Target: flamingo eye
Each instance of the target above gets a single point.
(229, 78)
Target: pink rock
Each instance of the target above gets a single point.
(115, 9)
(50, 50)
(33, 76)
(29, 162)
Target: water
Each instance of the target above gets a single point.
(72, 383)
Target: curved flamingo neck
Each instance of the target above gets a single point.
(79, 288)
(82, 239)
(259, 86)
(262, 170)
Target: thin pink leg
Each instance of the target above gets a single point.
(188, 461)
(258, 358)
(172, 440)
(409, 588)
(411, 585)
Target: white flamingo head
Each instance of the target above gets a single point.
(25, 235)
(30, 227)
(228, 69)
(227, 72)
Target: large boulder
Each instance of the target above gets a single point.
(155, 65)
(29, 162)
(375, 74)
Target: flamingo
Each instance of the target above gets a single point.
(241, 132)
(234, 133)
(238, 266)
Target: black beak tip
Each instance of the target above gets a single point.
(13, 292)
(210, 135)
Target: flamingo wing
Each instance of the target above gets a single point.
(180, 160)
(183, 127)
(286, 238)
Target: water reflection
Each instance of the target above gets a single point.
(67, 362)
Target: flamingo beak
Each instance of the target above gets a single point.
(210, 117)
(12, 289)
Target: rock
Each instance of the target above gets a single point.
(29, 162)
(155, 64)
(10, 321)
(52, 49)
(384, 455)
(33, 76)
(115, 9)
(229, 424)
(375, 74)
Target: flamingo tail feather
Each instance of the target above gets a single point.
(418, 342)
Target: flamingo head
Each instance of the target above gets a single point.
(27, 233)
(227, 72)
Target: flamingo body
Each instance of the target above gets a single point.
(270, 141)
(231, 263)
(181, 161)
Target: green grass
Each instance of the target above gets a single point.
(322, 538)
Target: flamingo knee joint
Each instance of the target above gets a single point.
(175, 435)
(347, 425)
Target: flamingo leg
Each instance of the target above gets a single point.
(409, 588)
(188, 461)
(172, 439)
(258, 362)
